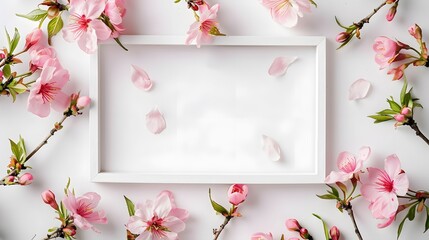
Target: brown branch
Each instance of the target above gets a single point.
(349, 210)
(367, 18)
(413, 125)
(216, 232)
(58, 233)
(56, 128)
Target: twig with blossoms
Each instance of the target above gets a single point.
(389, 52)
(19, 156)
(402, 112)
(349, 169)
(157, 220)
(12, 83)
(89, 21)
(206, 25)
(73, 213)
(354, 29)
(237, 194)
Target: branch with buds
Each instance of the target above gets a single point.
(354, 30)
(19, 158)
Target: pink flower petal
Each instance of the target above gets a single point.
(280, 65)
(271, 148)
(364, 153)
(155, 121)
(141, 79)
(359, 89)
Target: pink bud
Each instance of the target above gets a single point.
(415, 31)
(406, 111)
(49, 198)
(399, 118)
(2, 55)
(83, 102)
(342, 37)
(335, 233)
(1, 75)
(9, 180)
(303, 232)
(391, 13)
(33, 38)
(237, 193)
(26, 179)
(293, 225)
(70, 230)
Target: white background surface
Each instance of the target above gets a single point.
(23, 214)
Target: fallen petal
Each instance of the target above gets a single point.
(359, 89)
(280, 65)
(140, 78)
(155, 121)
(271, 148)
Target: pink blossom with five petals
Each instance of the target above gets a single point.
(381, 188)
(84, 25)
(202, 30)
(159, 219)
(348, 165)
(286, 12)
(82, 209)
(46, 91)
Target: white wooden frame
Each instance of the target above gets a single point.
(159, 177)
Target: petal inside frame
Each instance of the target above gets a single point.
(155, 121)
(140, 78)
(359, 89)
(280, 65)
(271, 148)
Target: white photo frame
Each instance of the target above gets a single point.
(122, 151)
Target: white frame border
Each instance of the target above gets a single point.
(219, 178)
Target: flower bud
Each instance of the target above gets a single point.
(53, 12)
(399, 118)
(237, 193)
(32, 38)
(391, 13)
(9, 180)
(293, 225)
(49, 198)
(2, 56)
(406, 111)
(1, 75)
(416, 32)
(83, 102)
(303, 232)
(421, 206)
(26, 179)
(70, 230)
(334, 233)
(342, 37)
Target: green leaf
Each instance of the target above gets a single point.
(14, 42)
(394, 106)
(52, 229)
(313, 2)
(177, 1)
(325, 227)
(35, 15)
(7, 71)
(412, 212)
(403, 92)
(130, 206)
(18, 88)
(418, 105)
(217, 207)
(54, 27)
(13, 94)
(15, 149)
(401, 225)
(334, 191)
(386, 112)
(328, 197)
(407, 98)
(427, 219)
(380, 118)
(339, 24)
(7, 37)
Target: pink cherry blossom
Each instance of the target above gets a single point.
(46, 91)
(286, 12)
(33, 38)
(84, 27)
(159, 219)
(262, 236)
(39, 56)
(82, 209)
(237, 193)
(348, 165)
(381, 188)
(201, 30)
(385, 49)
(115, 10)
